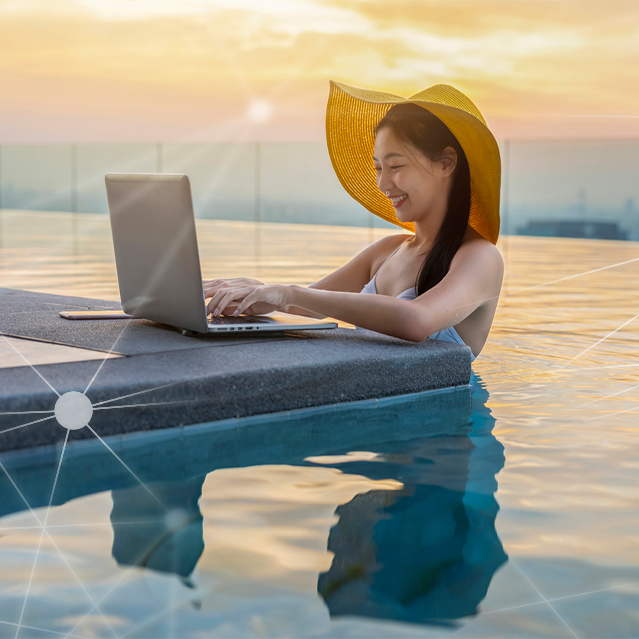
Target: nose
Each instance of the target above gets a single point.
(384, 182)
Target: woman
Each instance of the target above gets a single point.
(429, 164)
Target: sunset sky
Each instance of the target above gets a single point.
(213, 70)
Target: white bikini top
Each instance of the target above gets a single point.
(445, 335)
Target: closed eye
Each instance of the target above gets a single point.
(399, 166)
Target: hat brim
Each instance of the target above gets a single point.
(351, 116)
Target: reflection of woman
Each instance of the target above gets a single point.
(430, 165)
(165, 536)
(426, 553)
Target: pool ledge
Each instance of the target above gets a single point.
(163, 379)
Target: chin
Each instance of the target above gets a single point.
(405, 219)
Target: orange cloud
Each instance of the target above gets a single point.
(136, 70)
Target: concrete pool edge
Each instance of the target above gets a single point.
(306, 436)
(202, 380)
(118, 442)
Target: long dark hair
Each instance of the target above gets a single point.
(426, 132)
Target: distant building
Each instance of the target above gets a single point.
(574, 228)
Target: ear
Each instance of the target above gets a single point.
(448, 161)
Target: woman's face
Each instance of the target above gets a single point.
(415, 185)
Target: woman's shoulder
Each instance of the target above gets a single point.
(476, 247)
(386, 245)
(395, 239)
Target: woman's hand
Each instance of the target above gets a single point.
(211, 287)
(244, 295)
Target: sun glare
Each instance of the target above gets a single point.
(260, 111)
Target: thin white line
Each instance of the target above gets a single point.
(106, 523)
(106, 357)
(576, 369)
(136, 564)
(546, 600)
(172, 589)
(601, 399)
(570, 277)
(37, 421)
(42, 531)
(55, 632)
(115, 399)
(595, 592)
(134, 475)
(579, 594)
(605, 415)
(160, 271)
(27, 361)
(24, 499)
(29, 412)
(151, 619)
(632, 319)
(180, 401)
(504, 294)
(566, 115)
(26, 596)
(81, 584)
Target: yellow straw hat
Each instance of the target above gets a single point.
(351, 116)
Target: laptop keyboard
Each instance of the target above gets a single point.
(236, 320)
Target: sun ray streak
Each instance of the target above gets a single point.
(42, 532)
(29, 363)
(160, 271)
(132, 473)
(250, 94)
(547, 601)
(91, 223)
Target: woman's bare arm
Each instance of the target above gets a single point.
(353, 276)
(474, 278)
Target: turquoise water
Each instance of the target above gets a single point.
(503, 509)
(412, 541)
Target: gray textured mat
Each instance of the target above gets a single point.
(202, 379)
(36, 316)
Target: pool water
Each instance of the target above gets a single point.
(505, 509)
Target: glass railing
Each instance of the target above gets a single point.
(574, 188)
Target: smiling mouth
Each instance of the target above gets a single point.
(398, 201)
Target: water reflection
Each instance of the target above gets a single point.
(243, 514)
(426, 553)
(170, 538)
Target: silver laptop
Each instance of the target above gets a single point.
(158, 263)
